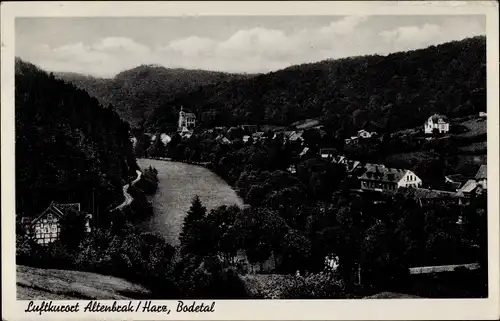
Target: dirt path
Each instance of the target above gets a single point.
(128, 197)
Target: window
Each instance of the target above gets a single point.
(49, 216)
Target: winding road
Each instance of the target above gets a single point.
(128, 197)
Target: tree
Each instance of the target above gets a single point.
(296, 251)
(263, 232)
(193, 236)
(73, 229)
(157, 149)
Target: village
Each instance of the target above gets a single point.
(370, 177)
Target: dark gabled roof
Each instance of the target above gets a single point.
(423, 193)
(61, 210)
(482, 173)
(326, 150)
(380, 173)
(436, 118)
(68, 207)
(431, 193)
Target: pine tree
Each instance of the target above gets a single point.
(193, 230)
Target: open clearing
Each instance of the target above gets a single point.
(178, 184)
(475, 127)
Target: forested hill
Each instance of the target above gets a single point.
(138, 91)
(67, 145)
(395, 91)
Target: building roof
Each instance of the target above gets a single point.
(482, 173)
(380, 173)
(68, 207)
(469, 186)
(58, 209)
(436, 118)
(295, 136)
(304, 151)
(424, 193)
(352, 165)
(326, 151)
(257, 134)
(456, 178)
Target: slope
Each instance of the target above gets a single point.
(50, 284)
(136, 92)
(68, 147)
(396, 91)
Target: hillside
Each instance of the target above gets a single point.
(50, 284)
(68, 147)
(136, 92)
(396, 91)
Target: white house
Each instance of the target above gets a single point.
(365, 134)
(380, 178)
(438, 122)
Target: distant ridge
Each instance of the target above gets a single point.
(396, 91)
(136, 92)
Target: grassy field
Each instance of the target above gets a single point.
(178, 184)
(479, 148)
(475, 127)
(47, 284)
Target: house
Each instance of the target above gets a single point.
(469, 187)
(380, 178)
(437, 122)
(46, 227)
(246, 138)
(365, 134)
(326, 152)
(185, 132)
(296, 136)
(186, 120)
(223, 140)
(304, 151)
(482, 114)
(165, 139)
(482, 176)
(257, 136)
(350, 165)
(455, 181)
(249, 129)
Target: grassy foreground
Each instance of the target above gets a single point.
(45, 284)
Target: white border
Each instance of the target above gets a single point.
(407, 309)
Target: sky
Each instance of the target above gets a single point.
(103, 47)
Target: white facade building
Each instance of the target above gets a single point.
(438, 122)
